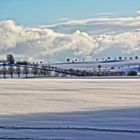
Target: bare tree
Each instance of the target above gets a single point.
(18, 71)
(35, 70)
(99, 67)
(120, 58)
(108, 58)
(68, 60)
(4, 70)
(26, 70)
(44, 70)
(11, 70)
(10, 58)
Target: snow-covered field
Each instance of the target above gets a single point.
(125, 65)
(69, 109)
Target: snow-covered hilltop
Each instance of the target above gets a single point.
(126, 67)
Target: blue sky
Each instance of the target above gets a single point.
(38, 12)
(89, 39)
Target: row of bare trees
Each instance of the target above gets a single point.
(87, 73)
(26, 70)
(39, 71)
(120, 58)
(104, 59)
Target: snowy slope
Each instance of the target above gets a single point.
(77, 109)
(124, 65)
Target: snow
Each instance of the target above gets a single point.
(119, 65)
(70, 109)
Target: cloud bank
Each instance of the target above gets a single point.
(81, 39)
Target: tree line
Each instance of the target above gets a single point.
(24, 70)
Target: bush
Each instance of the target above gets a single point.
(132, 73)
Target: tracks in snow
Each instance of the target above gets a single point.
(71, 128)
(9, 138)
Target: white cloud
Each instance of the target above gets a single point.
(42, 43)
(106, 14)
(64, 19)
(131, 21)
(138, 12)
(97, 26)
